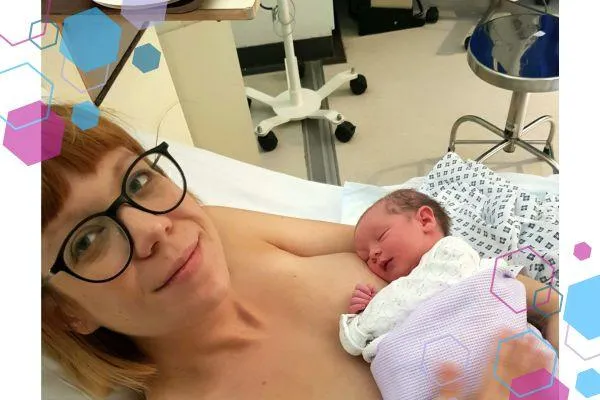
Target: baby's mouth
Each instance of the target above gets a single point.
(386, 264)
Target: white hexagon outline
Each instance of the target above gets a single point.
(45, 117)
(62, 74)
(574, 350)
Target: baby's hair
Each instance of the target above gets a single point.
(403, 200)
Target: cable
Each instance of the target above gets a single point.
(265, 7)
(292, 21)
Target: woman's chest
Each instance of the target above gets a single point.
(315, 290)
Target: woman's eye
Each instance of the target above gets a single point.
(137, 182)
(83, 244)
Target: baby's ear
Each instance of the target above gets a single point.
(426, 218)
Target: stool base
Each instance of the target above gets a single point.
(513, 133)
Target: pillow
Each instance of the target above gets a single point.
(357, 197)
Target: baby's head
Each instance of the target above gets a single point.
(396, 231)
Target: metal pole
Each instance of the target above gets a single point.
(291, 63)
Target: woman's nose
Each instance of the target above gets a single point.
(147, 230)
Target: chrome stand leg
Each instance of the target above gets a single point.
(539, 121)
(476, 120)
(539, 154)
(496, 148)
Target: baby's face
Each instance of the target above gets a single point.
(392, 244)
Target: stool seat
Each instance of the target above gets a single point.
(517, 52)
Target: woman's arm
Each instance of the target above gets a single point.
(301, 237)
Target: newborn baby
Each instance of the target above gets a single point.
(404, 240)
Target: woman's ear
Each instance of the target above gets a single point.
(426, 218)
(68, 314)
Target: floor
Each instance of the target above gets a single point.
(419, 84)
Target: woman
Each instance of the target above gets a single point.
(145, 287)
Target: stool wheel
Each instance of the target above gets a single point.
(358, 85)
(548, 151)
(268, 142)
(451, 149)
(432, 15)
(345, 131)
(249, 102)
(466, 42)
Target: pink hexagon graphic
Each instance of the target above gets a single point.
(144, 13)
(37, 142)
(529, 382)
(529, 250)
(582, 251)
(14, 38)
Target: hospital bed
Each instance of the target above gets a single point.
(218, 180)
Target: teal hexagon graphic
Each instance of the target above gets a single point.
(542, 296)
(146, 58)
(90, 39)
(85, 115)
(582, 301)
(588, 383)
(50, 29)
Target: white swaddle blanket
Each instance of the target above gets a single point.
(450, 261)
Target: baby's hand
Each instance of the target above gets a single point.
(361, 297)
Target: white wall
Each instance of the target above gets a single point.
(314, 18)
(144, 102)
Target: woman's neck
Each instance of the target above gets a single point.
(232, 326)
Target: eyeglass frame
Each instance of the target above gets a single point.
(111, 212)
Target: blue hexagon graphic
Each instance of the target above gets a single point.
(37, 74)
(90, 39)
(544, 298)
(85, 115)
(146, 58)
(588, 383)
(582, 300)
(453, 348)
(44, 32)
(507, 384)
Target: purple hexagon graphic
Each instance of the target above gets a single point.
(10, 37)
(22, 72)
(529, 382)
(144, 13)
(456, 352)
(542, 381)
(584, 348)
(582, 251)
(38, 142)
(524, 250)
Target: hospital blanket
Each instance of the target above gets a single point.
(497, 217)
(457, 325)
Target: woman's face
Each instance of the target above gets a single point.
(149, 298)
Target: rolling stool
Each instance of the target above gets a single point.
(518, 53)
